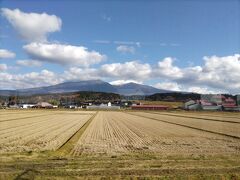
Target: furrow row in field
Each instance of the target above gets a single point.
(49, 135)
(20, 133)
(23, 127)
(11, 112)
(58, 137)
(6, 126)
(108, 135)
(224, 128)
(203, 117)
(117, 132)
(21, 116)
(235, 115)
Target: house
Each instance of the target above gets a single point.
(238, 100)
(26, 106)
(218, 99)
(107, 106)
(44, 105)
(192, 105)
(71, 106)
(149, 107)
(230, 105)
(210, 106)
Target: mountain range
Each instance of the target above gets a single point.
(91, 85)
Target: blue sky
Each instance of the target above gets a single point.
(131, 31)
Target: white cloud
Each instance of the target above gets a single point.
(29, 63)
(102, 41)
(32, 26)
(187, 88)
(28, 80)
(3, 67)
(138, 44)
(167, 70)
(4, 53)
(221, 72)
(120, 82)
(63, 54)
(204, 90)
(106, 18)
(133, 70)
(173, 86)
(125, 43)
(217, 73)
(128, 70)
(125, 49)
(76, 73)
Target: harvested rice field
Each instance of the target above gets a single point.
(209, 125)
(39, 132)
(118, 132)
(52, 144)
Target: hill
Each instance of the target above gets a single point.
(91, 85)
(174, 97)
(63, 98)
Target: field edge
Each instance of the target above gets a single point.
(68, 146)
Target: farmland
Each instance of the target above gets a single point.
(117, 132)
(118, 143)
(37, 133)
(227, 128)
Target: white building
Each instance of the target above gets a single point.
(26, 106)
(192, 105)
(104, 106)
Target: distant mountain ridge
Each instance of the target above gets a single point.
(138, 89)
(91, 85)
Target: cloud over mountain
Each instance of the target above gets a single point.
(63, 54)
(217, 74)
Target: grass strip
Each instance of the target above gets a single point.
(67, 147)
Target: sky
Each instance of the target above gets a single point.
(178, 45)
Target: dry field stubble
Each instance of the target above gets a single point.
(142, 147)
(235, 117)
(215, 126)
(38, 132)
(118, 132)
